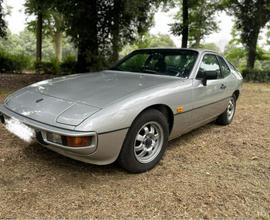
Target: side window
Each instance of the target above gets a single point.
(209, 63)
(225, 70)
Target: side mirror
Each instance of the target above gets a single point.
(209, 75)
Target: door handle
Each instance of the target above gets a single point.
(223, 86)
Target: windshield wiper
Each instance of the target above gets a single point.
(149, 71)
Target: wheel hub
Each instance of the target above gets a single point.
(230, 109)
(148, 142)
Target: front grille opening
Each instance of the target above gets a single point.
(40, 138)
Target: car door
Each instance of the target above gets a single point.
(208, 101)
(228, 78)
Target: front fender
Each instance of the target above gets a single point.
(121, 114)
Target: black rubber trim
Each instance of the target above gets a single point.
(2, 119)
(106, 132)
(202, 106)
(40, 138)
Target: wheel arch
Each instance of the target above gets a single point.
(236, 93)
(165, 110)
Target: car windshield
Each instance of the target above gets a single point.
(165, 62)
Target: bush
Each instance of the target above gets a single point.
(14, 63)
(51, 67)
(68, 66)
(256, 75)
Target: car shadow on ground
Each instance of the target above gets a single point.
(186, 138)
(42, 156)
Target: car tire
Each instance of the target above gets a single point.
(227, 116)
(145, 143)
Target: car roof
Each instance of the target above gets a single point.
(199, 50)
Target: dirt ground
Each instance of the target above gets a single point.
(212, 172)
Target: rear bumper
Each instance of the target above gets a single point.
(105, 151)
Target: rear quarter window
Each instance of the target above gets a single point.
(225, 70)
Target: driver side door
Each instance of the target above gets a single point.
(208, 100)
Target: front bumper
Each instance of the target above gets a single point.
(105, 150)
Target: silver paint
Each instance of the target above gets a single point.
(105, 104)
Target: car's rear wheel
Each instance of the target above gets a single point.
(227, 116)
(145, 142)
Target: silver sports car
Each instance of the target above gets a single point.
(129, 112)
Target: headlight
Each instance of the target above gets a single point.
(69, 141)
(54, 138)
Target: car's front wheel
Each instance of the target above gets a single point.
(145, 142)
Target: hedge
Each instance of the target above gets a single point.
(256, 75)
(14, 63)
(68, 66)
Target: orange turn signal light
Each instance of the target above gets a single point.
(78, 141)
(180, 109)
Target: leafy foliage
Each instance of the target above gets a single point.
(38, 8)
(251, 16)
(53, 26)
(24, 43)
(255, 75)
(100, 28)
(210, 46)
(149, 41)
(14, 63)
(237, 54)
(2, 21)
(201, 20)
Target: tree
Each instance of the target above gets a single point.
(101, 28)
(268, 36)
(149, 41)
(130, 19)
(24, 44)
(181, 27)
(251, 16)
(202, 21)
(38, 8)
(185, 31)
(236, 53)
(53, 27)
(86, 28)
(210, 46)
(194, 21)
(2, 21)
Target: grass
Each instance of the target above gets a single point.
(212, 172)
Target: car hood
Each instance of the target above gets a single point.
(49, 110)
(98, 89)
(70, 100)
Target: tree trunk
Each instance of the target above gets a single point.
(115, 47)
(197, 42)
(39, 37)
(58, 45)
(185, 24)
(252, 47)
(116, 32)
(88, 39)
